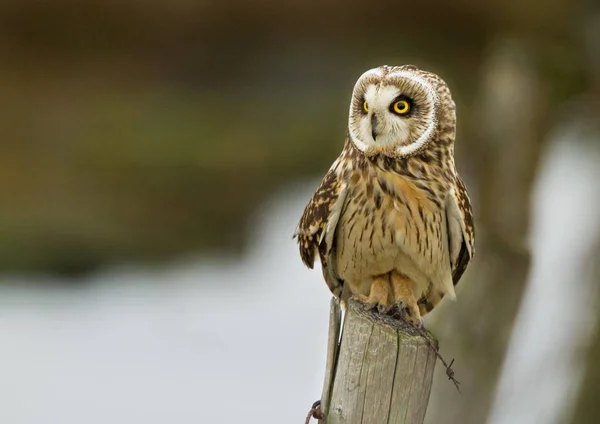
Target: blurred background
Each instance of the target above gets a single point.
(156, 157)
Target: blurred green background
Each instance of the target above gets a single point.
(139, 132)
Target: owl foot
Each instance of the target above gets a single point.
(405, 298)
(402, 312)
(418, 323)
(378, 296)
(315, 412)
(382, 309)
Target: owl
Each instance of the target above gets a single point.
(391, 221)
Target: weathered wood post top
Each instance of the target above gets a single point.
(380, 372)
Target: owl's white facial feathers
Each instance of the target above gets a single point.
(397, 136)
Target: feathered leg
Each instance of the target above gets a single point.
(404, 297)
(380, 294)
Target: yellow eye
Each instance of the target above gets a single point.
(401, 107)
(365, 107)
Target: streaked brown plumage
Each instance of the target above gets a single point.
(391, 220)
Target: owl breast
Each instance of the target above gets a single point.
(389, 223)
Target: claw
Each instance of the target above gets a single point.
(369, 306)
(365, 301)
(403, 313)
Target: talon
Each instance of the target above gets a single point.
(382, 309)
(369, 306)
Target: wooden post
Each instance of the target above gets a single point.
(380, 372)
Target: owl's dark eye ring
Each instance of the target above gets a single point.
(401, 106)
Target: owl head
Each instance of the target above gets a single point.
(400, 111)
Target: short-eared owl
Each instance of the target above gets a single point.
(391, 220)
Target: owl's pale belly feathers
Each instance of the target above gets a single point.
(388, 224)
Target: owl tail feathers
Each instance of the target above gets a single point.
(449, 289)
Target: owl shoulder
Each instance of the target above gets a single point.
(321, 215)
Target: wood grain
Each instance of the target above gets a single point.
(383, 372)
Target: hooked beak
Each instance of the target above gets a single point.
(374, 127)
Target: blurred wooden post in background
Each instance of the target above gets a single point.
(383, 373)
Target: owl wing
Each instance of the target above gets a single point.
(318, 223)
(461, 241)
(461, 231)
